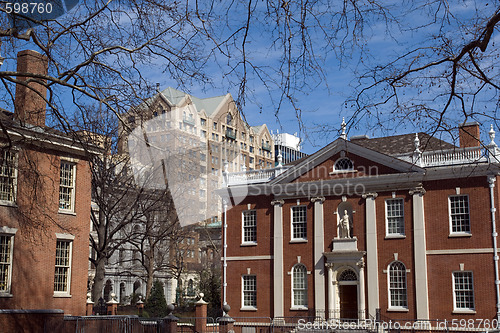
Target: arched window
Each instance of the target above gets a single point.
(108, 288)
(229, 119)
(347, 275)
(299, 286)
(397, 285)
(137, 285)
(190, 289)
(343, 164)
(122, 292)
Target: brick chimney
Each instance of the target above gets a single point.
(468, 134)
(29, 105)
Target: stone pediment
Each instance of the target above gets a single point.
(344, 159)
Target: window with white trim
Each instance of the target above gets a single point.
(67, 186)
(463, 291)
(397, 285)
(249, 291)
(62, 276)
(394, 214)
(299, 222)
(8, 176)
(299, 286)
(249, 226)
(6, 248)
(459, 214)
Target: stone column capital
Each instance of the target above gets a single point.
(318, 199)
(370, 195)
(361, 263)
(280, 202)
(417, 190)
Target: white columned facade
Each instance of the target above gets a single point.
(371, 253)
(420, 256)
(319, 261)
(278, 274)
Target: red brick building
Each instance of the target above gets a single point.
(402, 225)
(44, 205)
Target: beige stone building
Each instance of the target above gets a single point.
(206, 132)
(190, 140)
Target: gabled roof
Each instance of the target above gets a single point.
(257, 129)
(309, 162)
(211, 105)
(174, 96)
(403, 144)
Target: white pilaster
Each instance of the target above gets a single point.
(361, 306)
(278, 274)
(319, 261)
(331, 306)
(371, 253)
(420, 257)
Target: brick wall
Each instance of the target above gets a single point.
(38, 219)
(440, 267)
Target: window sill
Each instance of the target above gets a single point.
(459, 234)
(298, 308)
(397, 309)
(298, 241)
(395, 236)
(464, 311)
(66, 212)
(336, 172)
(248, 308)
(8, 203)
(249, 244)
(62, 295)
(5, 295)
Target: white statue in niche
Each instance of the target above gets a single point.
(344, 226)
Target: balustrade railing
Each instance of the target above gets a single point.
(254, 176)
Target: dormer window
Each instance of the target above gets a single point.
(344, 164)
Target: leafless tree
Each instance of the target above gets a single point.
(416, 60)
(153, 236)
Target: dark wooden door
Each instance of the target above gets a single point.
(348, 301)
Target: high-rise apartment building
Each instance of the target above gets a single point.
(191, 141)
(287, 145)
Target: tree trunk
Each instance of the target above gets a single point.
(149, 280)
(98, 279)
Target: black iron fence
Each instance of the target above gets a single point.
(321, 321)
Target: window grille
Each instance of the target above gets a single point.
(299, 222)
(397, 285)
(63, 266)
(395, 216)
(249, 226)
(459, 213)
(299, 283)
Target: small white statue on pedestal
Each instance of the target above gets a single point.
(344, 226)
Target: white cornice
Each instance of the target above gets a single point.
(344, 186)
(52, 141)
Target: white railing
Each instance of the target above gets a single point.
(454, 156)
(448, 157)
(254, 176)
